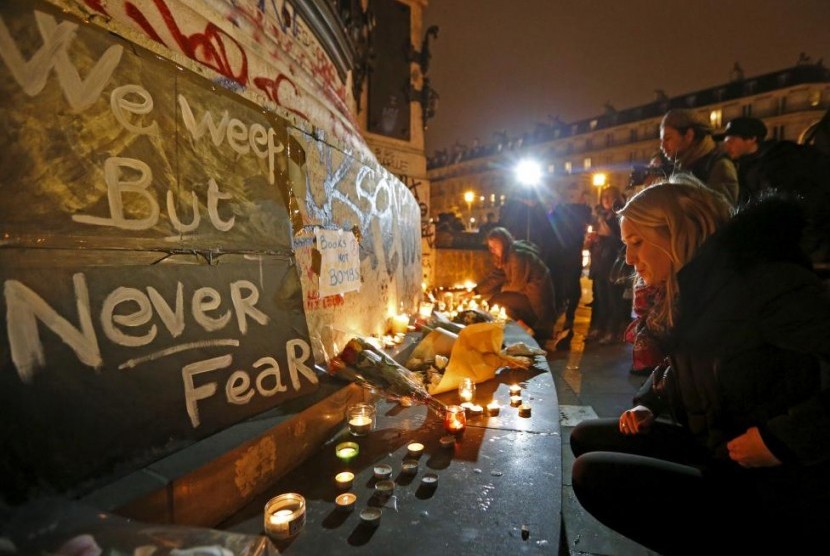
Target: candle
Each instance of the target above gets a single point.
(345, 501)
(447, 441)
(344, 480)
(385, 487)
(400, 323)
(493, 408)
(409, 466)
(361, 418)
(515, 390)
(284, 515)
(346, 451)
(476, 410)
(502, 314)
(415, 449)
(524, 410)
(370, 516)
(466, 389)
(425, 309)
(515, 401)
(429, 479)
(383, 471)
(455, 421)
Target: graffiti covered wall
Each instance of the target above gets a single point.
(189, 217)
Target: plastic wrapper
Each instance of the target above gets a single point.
(362, 362)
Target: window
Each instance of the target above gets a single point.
(716, 118)
(594, 124)
(609, 139)
(551, 168)
(746, 110)
(586, 163)
(568, 167)
(815, 98)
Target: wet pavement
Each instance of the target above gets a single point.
(592, 380)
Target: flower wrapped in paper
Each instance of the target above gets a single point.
(362, 362)
(475, 352)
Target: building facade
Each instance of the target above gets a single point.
(582, 156)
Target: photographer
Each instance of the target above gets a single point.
(658, 169)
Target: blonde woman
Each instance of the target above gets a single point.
(728, 449)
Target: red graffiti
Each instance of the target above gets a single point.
(274, 89)
(314, 301)
(209, 48)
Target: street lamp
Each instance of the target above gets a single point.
(528, 172)
(468, 197)
(599, 179)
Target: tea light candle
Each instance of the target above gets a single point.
(515, 401)
(455, 420)
(385, 487)
(344, 479)
(430, 479)
(476, 410)
(524, 410)
(383, 471)
(409, 466)
(415, 449)
(400, 323)
(515, 390)
(370, 516)
(493, 408)
(466, 389)
(346, 501)
(346, 451)
(284, 515)
(447, 441)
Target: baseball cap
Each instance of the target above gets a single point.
(744, 127)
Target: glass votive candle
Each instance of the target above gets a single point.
(344, 480)
(493, 408)
(346, 451)
(284, 515)
(360, 418)
(466, 389)
(455, 420)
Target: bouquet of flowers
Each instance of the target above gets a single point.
(362, 362)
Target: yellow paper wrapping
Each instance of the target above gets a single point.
(476, 353)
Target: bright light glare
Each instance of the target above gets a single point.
(599, 179)
(528, 172)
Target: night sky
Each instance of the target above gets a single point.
(507, 64)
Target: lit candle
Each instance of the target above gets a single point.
(284, 515)
(515, 401)
(361, 418)
(425, 309)
(346, 451)
(466, 389)
(524, 410)
(455, 421)
(345, 501)
(515, 390)
(400, 323)
(493, 408)
(344, 480)
(415, 449)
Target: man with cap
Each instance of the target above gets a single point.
(686, 140)
(788, 167)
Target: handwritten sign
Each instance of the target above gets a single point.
(340, 261)
(149, 296)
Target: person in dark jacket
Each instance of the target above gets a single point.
(727, 449)
(520, 282)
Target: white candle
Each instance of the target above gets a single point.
(493, 408)
(360, 425)
(281, 516)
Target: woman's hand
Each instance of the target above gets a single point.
(636, 420)
(749, 450)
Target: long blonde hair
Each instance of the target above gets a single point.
(685, 212)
